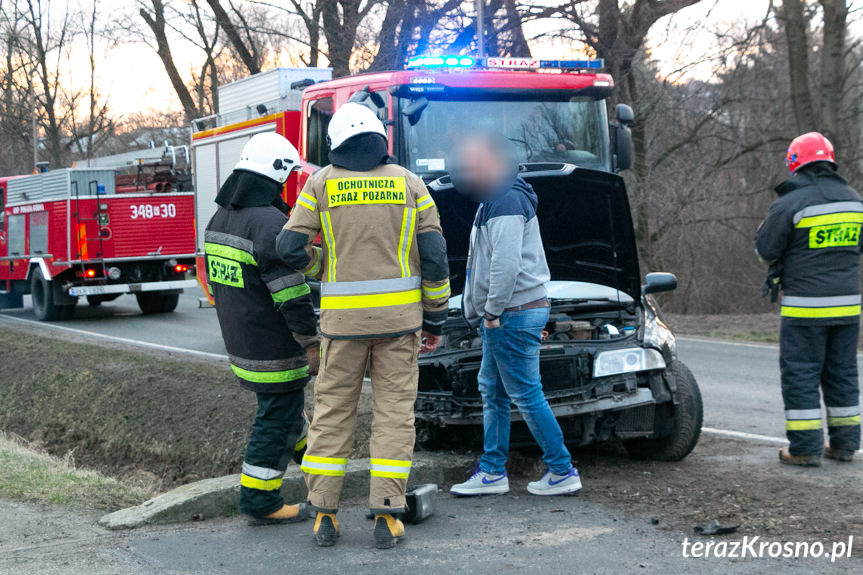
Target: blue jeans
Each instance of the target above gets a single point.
(510, 374)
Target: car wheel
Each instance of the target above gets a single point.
(684, 428)
(44, 306)
(157, 302)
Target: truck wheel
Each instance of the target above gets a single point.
(684, 427)
(44, 306)
(157, 302)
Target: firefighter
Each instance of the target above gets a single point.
(812, 234)
(384, 292)
(267, 320)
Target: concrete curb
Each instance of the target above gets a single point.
(218, 497)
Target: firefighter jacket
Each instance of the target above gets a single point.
(812, 232)
(382, 261)
(264, 307)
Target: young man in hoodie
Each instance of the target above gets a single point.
(267, 320)
(505, 294)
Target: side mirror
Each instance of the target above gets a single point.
(659, 282)
(622, 148)
(625, 114)
(414, 110)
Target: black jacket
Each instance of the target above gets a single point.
(264, 307)
(812, 232)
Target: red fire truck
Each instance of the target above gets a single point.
(96, 233)
(553, 110)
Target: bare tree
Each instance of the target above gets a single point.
(154, 16)
(43, 45)
(246, 48)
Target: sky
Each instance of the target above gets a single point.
(133, 77)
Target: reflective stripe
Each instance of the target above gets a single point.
(301, 443)
(271, 376)
(406, 238)
(803, 413)
(231, 240)
(830, 301)
(331, 244)
(230, 253)
(424, 202)
(260, 484)
(393, 468)
(315, 263)
(307, 201)
(291, 293)
(826, 219)
(264, 473)
(332, 466)
(802, 424)
(843, 411)
(370, 286)
(832, 208)
(820, 312)
(436, 292)
(372, 300)
(843, 421)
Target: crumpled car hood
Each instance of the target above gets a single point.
(584, 219)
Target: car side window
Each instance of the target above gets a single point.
(319, 113)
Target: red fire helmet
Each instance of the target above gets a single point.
(808, 148)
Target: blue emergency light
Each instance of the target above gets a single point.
(462, 62)
(441, 62)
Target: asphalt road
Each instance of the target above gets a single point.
(489, 536)
(739, 382)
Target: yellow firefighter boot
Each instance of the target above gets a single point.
(287, 514)
(801, 460)
(388, 531)
(326, 529)
(843, 455)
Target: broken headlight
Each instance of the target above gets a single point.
(628, 360)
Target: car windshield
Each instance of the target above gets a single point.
(572, 130)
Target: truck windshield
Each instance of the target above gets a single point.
(572, 130)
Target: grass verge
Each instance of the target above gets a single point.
(28, 474)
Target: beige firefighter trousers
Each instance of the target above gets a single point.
(394, 373)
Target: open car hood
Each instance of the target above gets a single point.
(584, 219)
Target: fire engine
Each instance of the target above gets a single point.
(124, 224)
(553, 110)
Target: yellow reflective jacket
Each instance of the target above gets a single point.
(382, 261)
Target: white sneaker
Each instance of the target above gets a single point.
(482, 483)
(552, 484)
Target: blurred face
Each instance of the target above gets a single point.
(480, 167)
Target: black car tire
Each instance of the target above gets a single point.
(157, 302)
(44, 306)
(684, 430)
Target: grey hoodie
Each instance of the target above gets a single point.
(506, 264)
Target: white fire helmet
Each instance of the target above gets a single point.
(351, 120)
(269, 155)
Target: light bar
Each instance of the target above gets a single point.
(462, 62)
(441, 62)
(537, 64)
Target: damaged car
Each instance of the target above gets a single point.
(608, 362)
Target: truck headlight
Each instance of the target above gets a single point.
(628, 360)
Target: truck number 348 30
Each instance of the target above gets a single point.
(154, 211)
